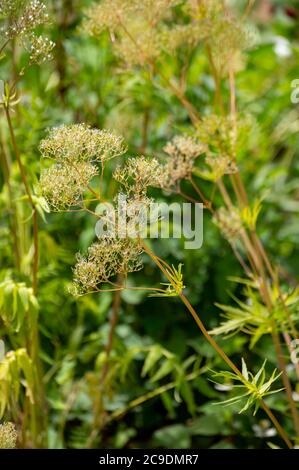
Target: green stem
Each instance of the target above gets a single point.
(152, 394)
(38, 409)
(12, 208)
(29, 195)
(214, 344)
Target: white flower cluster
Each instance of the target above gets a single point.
(22, 18)
(41, 49)
(77, 150)
(138, 174)
(80, 142)
(106, 259)
(19, 19)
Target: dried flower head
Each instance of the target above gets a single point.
(229, 223)
(79, 142)
(222, 134)
(182, 35)
(106, 259)
(141, 31)
(146, 47)
(155, 10)
(226, 36)
(228, 39)
(182, 152)
(138, 174)
(220, 165)
(8, 436)
(40, 49)
(63, 185)
(205, 9)
(107, 15)
(10, 8)
(19, 19)
(138, 28)
(114, 14)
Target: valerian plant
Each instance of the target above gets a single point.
(218, 135)
(200, 161)
(112, 257)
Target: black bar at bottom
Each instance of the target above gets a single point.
(122, 459)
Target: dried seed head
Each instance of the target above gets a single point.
(40, 49)
(222, 135)
(79, 142)
(137, 27)
(183, 35)
(106, 259)
(63, 185)
(228, 38)
(142, 31)
(146, 47)
(229, 223)
(182, 152)
(107, 15)
(113, 15)
(205, 9)
(220, 165)
(138, 174)
(8, 436)
(11, 8)
(154, 10)
(21, 18)
(86, 275)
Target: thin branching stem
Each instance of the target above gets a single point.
(4, 46)
(215, 345)
(12, 206)
(194, 116)
(259, 258)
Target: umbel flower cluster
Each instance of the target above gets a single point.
(40, 49)
(8, 436)
(141, 28)
(182, 153)
(224, 135)
(141, 172)
(105, 260)
(138, 174)
(141, 31)
(19, 19)
(76, 150)
(122, 16)
(79, 142)
(62, 185)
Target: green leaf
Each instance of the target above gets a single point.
(176, 436)
(164, 370)
(152, 358)
(207, 425)
(244, 370)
